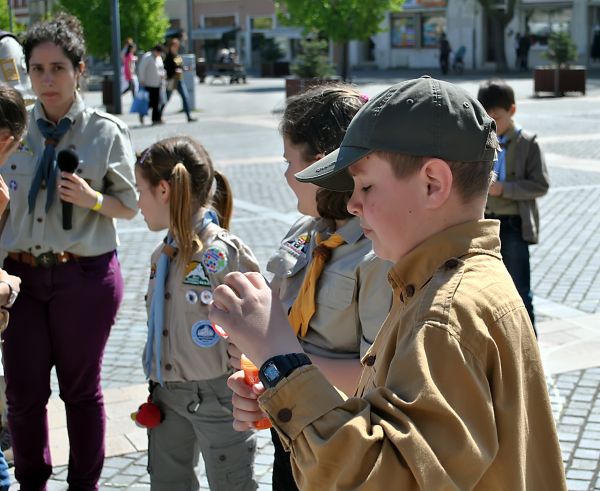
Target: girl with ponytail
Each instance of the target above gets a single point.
(184, 358)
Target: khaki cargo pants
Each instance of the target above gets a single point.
(198, 419)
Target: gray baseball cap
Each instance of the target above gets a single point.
(422, 117)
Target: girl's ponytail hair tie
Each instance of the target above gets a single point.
(364, 97)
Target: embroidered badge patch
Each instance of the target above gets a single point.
(214, 259)
(23, 148)
(9, 69)
(195, 275)
(152, 271)
(204, 335)
(297, 246)
(12, 184)
(192, 297)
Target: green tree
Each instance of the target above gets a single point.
(499, 17)
(341, 20)
(561, 48)
(142, 20)
(4, 20)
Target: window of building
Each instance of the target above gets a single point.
(221, 21)
(542, 22)
(261, 23)
(418, 30)
(404, 31)
(432, 27)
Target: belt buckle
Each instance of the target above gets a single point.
(46, 260)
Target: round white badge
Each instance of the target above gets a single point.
(191, 296)
(206, 297)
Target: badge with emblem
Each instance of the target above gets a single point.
(23, 148)
(204, 335)
(206, 297)
(297, 246)
(13, 185)
(214, 259)
(152, 271)
(192, 297)
(9, 69)
(195, 275)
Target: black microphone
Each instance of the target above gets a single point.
(67, 161)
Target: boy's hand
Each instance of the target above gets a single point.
(496, 189)
(246, 410)
(247, 309)
(235, 355)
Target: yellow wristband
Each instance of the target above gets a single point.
(99, 201)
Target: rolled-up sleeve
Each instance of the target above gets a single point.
(432, 414)
(119, 179)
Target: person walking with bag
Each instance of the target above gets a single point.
(152, 76)
(174, 69)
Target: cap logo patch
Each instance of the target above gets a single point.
(325, 167)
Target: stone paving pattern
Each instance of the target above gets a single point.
(238, 125)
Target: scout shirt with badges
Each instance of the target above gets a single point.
(452, 395)
(191, 350)
(353, 296)
(106, 156)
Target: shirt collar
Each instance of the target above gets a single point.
(75, 110)
(415, 269)
(351, 231)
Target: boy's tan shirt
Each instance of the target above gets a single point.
(452, 395)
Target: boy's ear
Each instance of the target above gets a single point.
(512, 110)
(437, 179)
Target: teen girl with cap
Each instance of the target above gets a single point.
(325, 271)
(185, 359)
(72, 284)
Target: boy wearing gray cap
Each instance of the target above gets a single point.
(452, 394)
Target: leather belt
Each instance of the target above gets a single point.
(45, 260)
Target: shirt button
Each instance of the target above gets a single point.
(79, 171)
(38, 247)
(145, 298)
(168, 366)
(42, 186)
(165, 333)
(370, 361)
(284, 415)
(13, 166)
(451, 263)
(167, 296)
(410, 291)
(40, 220)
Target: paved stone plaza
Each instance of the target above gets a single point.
(238, 125)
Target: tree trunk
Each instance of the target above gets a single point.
(345, 68)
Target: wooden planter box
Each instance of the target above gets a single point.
(559, 81)
(275, 69)
(295, 86)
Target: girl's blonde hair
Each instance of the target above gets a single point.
(186, 166)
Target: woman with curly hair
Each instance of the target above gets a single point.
(71, 280)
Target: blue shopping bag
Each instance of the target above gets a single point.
(140, 103)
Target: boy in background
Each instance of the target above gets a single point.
(521, 178)
(452, 394)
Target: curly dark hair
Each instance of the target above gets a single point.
(64, 30)
(317, 120)
(13, 115)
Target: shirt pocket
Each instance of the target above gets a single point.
(18, 172)
(335, 290)
(92, 173)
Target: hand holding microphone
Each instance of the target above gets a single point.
(67, 161)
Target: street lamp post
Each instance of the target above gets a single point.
(116, 55)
